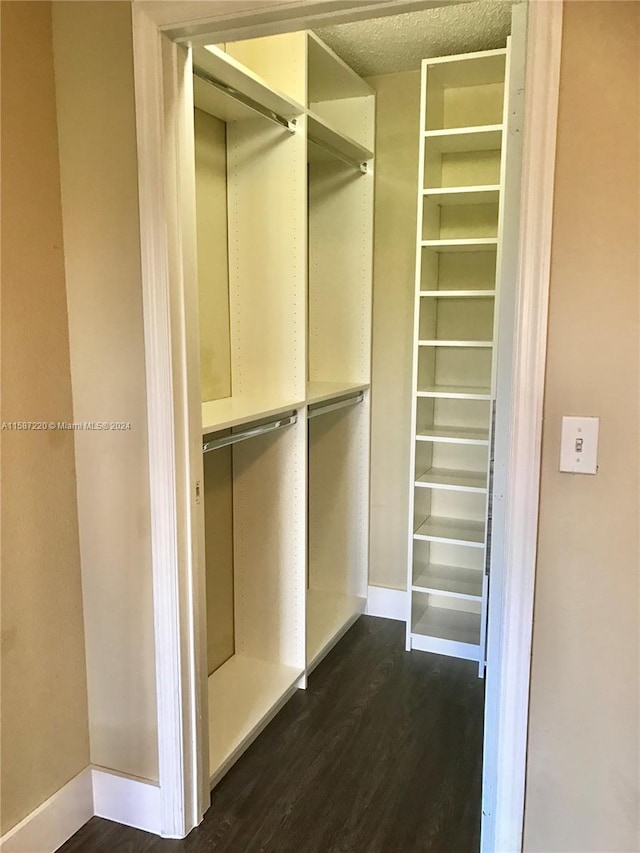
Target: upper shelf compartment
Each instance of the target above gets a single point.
(338, 97)
(230, 91)
(330, 78)
(465, 91)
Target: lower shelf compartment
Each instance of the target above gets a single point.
(453, 530)
(448, 580)
(446, 632)
(329, 615)
(244, 694)
(445, 478)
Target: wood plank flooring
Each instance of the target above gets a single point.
(381, 754)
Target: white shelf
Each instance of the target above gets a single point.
(475, 244)
(455, 392)
(458, 294)
(230, 72)
(454, 531)
(469, 344)
(463, 195)
(453, 480)
(448, 581)
(234, 411)
(456, 626)
(330, 78)
(486, 137)
(243, 695)
(329, 615)
(330, 139)
(454, 435)
(319, 392)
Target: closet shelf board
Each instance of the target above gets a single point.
(320, 392)
(470, 344)
(244, 693)
(454, 435)
(320, 130)
(448, 581)
(458, 294)
(486, 137)
(455, 531)
(329, 616)
(453, 480)
(328, 74)
(455, 392)
(445, 631)
(232, 73)
(474, 244)
(235, 411)
(463, 195)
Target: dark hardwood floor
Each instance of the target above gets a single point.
(381, 754)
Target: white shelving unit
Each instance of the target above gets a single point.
(284, 138)
(341, 115)
(457, 244)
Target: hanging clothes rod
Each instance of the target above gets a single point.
(340, 404)
(235, 437)
(256, 106)
(344, 158)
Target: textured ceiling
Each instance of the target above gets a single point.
(398, 43)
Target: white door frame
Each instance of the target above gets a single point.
(165, 167)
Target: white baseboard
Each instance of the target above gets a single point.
(56, 820)
(387, 603)
(133, 802)
(93, 792)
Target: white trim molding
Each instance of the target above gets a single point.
(95, 792)
(518, 444)
(132, 802)
(387, 603)
(56, 820)
(174, 469)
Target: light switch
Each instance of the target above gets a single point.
(579, 445)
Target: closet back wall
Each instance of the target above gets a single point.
(215, 376)
(396, 177)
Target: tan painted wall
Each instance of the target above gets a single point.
(582, 781)
(96, 118)
(396, 176)
(45, 738)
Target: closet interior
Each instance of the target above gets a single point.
(284, 135)
(285, 138)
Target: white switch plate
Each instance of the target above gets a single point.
(579, 445)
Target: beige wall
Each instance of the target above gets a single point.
(45, 739)
(582, 781)
(396, 175)
(98, 162)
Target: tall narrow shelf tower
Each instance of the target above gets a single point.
(462, 115)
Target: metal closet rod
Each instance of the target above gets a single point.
(256, 106)
(340, 404)
(344, 158)
(235, 437)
